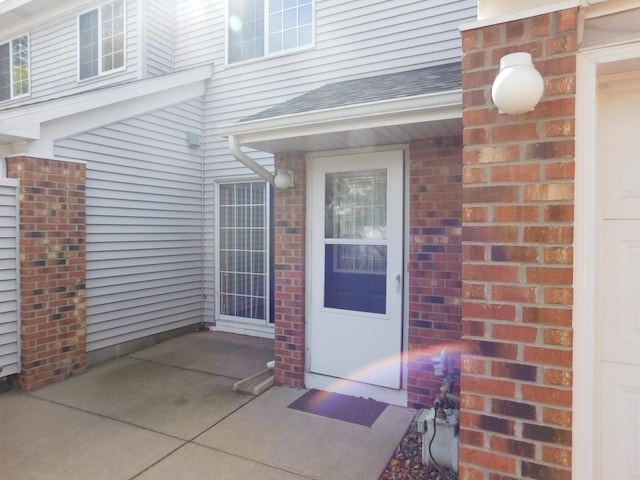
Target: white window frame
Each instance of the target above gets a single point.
(12, 80)
(100, 56)
(268, 321)
(266, 50)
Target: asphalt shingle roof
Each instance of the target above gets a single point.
(439, 78)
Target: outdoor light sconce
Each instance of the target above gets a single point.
(519, 86)
(283, 179)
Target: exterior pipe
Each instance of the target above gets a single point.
(249, 162)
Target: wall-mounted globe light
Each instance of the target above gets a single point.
(519, 86)
(283, 179)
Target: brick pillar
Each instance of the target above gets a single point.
(52, 269)
(289, 251)
(517, 257)
(434, 261)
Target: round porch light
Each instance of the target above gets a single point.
(283, 179)
(519, 86)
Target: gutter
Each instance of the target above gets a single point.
(249, 162)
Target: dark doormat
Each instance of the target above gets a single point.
(361, 411)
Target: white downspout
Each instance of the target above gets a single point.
(249, 162)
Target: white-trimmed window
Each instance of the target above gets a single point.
(101, 40)
(244, 261)
(14, 68)
(257, 28)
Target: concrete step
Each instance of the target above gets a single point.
(255, 384)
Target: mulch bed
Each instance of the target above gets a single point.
(406, 463)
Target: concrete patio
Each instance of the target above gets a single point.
(169, 412)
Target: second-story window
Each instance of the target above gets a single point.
(257, 28)
(14, 68)
(101, 40)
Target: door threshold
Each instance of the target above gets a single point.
(355, 389)
(243, 329)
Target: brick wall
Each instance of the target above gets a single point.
(517, 258)
(52, 269)
(434, 261)
(289, 251)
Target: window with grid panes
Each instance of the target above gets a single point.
(243, 250)
(14, 68)
(257, 28)
(101, 40)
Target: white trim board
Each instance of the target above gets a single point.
(585, 455)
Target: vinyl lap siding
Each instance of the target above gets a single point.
(159, 30)
(353, 39)
(9, 318)
(53, 55)
(144, 225)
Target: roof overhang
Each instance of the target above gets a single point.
(386, 122)
(25, 123)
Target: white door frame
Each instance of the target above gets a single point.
(585, 453)
(321, 382)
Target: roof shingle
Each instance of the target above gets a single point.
(434, 79)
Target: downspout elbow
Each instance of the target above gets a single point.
(249, 162)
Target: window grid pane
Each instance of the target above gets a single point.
(20, 60)
(101, 39)
(288, 25)
(5, 72)
(112, 35)
(88, 44)
(243, 252)
(246, 29)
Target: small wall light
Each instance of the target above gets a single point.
(519, 86)
(283, 179)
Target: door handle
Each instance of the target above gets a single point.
(398, 281)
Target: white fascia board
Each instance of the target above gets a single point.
(526, 13)
(9, 5)
(25, 122)
(421, 108)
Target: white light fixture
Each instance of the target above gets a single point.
(519, 86)
(283, 179)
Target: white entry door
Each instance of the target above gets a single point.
(356, 215)
(619, 274)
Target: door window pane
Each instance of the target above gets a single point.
(356, 210)
(356, 205)
(350, 283)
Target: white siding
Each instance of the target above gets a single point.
(144, 225)
(353, 39)
(54, 70)
(9, 318)
(158, 25)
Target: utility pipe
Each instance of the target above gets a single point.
(249, 162)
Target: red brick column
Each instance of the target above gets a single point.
(289, 250)
(517, 257)
(52, 269)
(434, 261)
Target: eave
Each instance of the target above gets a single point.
(384, 122)
(25, 123)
